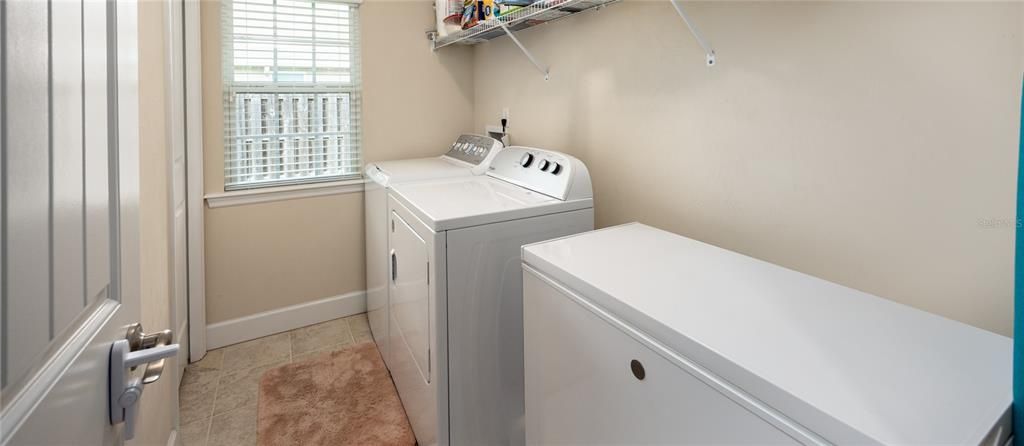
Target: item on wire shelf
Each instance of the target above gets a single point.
(449, 16)
(504, 10)
(515, 2)
(476, 11)
(485, 9)
(469, 15)
(506, 7)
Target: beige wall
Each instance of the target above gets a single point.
(870, 144)
(266, 256)
(270, 255)
(157, 417)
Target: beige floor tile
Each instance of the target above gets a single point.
(196, 394)
(197, 375)
(239, 388)
(235, 428)
(226, 380)
(315, 353)
(308, 356)
(194, 433)
(266, 350)
(214, 359)
(195, 408)
(359, 324)
(317, 337)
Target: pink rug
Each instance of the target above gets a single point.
(344, 397)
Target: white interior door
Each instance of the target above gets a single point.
(70, 250)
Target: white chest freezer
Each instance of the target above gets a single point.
(635, 335)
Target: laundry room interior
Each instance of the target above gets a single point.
(508, 222)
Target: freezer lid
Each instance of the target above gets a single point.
(839, 361)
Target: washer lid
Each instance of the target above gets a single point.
(470, 201)
(386, 173)
(851, 367)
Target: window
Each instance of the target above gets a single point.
(291, 92)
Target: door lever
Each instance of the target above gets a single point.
(150, 341)
(126, 354)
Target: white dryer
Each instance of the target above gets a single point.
(456, 328)
(469, 155)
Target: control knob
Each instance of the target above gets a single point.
(526, 160)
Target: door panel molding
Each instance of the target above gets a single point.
(26, 204)
(25, 401)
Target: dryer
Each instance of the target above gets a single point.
(469, 155)
(456, 328)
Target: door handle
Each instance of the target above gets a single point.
(138, 340)
(394, 266)
(136, 349)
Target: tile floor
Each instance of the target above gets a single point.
(218, 394)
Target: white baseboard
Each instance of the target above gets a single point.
(270, 322)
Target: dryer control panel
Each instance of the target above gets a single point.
(473, 149)
(551, 173)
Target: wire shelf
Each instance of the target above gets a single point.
(540, 12)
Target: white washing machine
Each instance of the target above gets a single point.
(456, 330)
(634, 335)
(469, 155)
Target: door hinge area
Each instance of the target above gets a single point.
(428, 273)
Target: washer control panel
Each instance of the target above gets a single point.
(473, 149)
(551, 173)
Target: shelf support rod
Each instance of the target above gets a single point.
(709, 53)
(536, 63)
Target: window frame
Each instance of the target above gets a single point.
(351, 153)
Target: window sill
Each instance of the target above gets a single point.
(268, 194)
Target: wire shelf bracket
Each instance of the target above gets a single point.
(709, 52)
(536, 63)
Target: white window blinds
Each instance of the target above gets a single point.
(291, 92)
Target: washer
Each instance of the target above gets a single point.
(456, 327)
(469, 155)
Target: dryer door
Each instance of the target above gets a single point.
(411, 324)
(410, 292)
